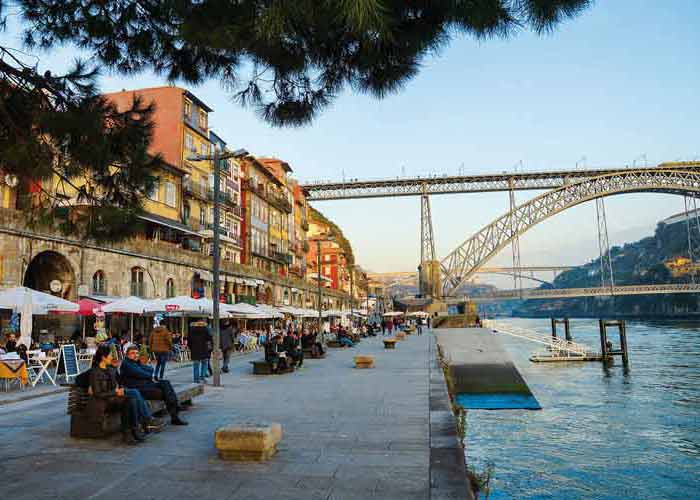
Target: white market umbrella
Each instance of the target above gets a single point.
(393, 313)
(130, 305)
(41, 303)
(270, 311)
(181, 303)
(244, 309)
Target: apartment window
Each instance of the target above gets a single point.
(137, 285)
(229, 255)
(153, 194)
(204, 148)
(170, 288)
(99, 283)
(202, 215)
(327, 270)
(170, 196)
(326, 258)
(202, 119)
(187, 108)
(189, 142)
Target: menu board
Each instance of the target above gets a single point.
(68, 361)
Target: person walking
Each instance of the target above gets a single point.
(383, 328)
(227, 343)
(160, 343)
(389, 325)
(419, 326)
(200, 340)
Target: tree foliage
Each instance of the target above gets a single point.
(287, 58)
(81, 163)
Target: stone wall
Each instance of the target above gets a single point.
(20, 244)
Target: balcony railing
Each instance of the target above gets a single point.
(199, 190)
(284, 257)
(258, 189)
(280, 202)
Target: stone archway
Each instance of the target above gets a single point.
(47, 268)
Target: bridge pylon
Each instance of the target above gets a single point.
(429, 283)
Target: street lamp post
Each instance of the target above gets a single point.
(216, 158)
(318, 280)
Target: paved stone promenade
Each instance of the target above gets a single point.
(348, 434)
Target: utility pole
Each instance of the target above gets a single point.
(216, 158)
(318, 280)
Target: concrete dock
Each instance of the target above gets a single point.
(349, 434)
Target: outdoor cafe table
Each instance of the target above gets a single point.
(42, 364)
(14, 369)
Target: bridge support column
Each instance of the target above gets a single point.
(430, 278)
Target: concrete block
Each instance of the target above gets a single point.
(248, 441)
(390, 343)
(364, 361)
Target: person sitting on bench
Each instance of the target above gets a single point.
(344, 338)
(291, 347)
(104, 388)
(135, 375)
(309, 340)
(275, 356)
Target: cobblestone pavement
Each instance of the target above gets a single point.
(347, 434)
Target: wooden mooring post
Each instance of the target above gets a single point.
(606, 349)
(567, 330)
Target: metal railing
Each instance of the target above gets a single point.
(199, 190)
(557, 346)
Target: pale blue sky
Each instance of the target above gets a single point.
(618, 82)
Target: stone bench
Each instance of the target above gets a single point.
(390, 343)
(248, 441)
(308, 353)
(84, 425)
(364, 361)
(263, 367)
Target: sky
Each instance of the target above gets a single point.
(616, 86)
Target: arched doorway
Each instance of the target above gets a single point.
(51, 272)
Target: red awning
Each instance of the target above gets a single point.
(88, 306)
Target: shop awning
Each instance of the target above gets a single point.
(163, 221)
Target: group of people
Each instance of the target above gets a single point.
(128, 385)
(285, 349)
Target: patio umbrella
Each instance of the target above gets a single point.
(42, 303)
(130, 305)
(87, 307)
(243, 309)
(270, 311)
(181, 303)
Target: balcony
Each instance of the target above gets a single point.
(296, 270)
(193, 121)
(279, 201)
(283, 257)
(199, 190)
(304, 224)
(258, 189)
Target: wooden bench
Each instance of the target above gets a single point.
(262, 367)
(83, 425)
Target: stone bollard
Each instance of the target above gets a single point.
(390, 343)
(364, 361)
(400, 335)
(248, 441)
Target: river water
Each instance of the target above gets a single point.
(601, 433)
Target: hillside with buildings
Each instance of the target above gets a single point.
(661, 258)
(265, 226)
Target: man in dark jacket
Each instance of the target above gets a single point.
(134, 375)
(199, 341)
(228, 341)
(294, 351)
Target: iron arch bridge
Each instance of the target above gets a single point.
(458, 266)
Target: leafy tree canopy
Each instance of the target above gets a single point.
(287, 58)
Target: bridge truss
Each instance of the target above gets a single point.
(567, 189)
(463, 262)
(602, 291)
(506, 181)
